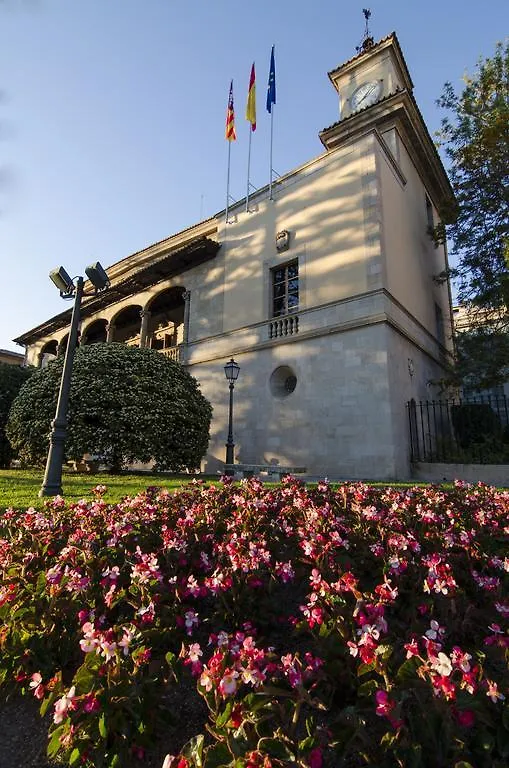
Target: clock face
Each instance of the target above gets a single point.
(366, 94)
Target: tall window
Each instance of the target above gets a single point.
(285, 289)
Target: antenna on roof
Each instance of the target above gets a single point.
(367, 41)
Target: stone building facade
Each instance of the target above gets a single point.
(324, 292)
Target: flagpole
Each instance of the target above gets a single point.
(248, 169)
(228, 182)
(271, 137)
(271, 101)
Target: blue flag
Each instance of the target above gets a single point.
(271, 88)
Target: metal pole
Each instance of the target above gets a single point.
(230, 444)
(228, 183)
(248, 168)
(271, 137)
(52, 483)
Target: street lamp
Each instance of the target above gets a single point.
(52, 483)
(231, 371)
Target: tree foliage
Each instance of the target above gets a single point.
(12, 377)
(475, 136)
(126, 404)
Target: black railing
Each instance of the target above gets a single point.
(473, 430)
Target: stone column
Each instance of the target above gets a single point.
(110, 332)
(145, 318)
(187, 299)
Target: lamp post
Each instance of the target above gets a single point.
(231, 371)
(52, 483)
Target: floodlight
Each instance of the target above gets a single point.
(62, 280)
(97, 276)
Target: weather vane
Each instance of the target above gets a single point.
(367, 41)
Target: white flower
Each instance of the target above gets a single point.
(442, 665)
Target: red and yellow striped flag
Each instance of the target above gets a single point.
(230, 134)
(251, 100)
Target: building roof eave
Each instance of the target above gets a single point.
(194, 253)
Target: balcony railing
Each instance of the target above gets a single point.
(283, 326)
(174, 353)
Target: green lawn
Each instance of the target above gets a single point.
(19, 487)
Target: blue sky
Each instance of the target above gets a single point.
(112, 114)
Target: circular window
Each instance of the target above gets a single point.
(283, 381)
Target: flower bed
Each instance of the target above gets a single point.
(341, 626)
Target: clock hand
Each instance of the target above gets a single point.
(368, 93)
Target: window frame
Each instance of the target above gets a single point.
(287, 293)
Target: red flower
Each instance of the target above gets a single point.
(315, 759)
(465, 718)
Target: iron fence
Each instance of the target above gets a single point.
(473, 430)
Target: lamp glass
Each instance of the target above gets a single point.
(97, 276)
(231, 370)
(61, 279)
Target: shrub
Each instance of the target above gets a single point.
(126, 404)
(12, 377)
(475, 423)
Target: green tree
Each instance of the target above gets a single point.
(475, 137)
(12, 377)
(126, 404)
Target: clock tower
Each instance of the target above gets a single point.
(376, 95)
(378, 71)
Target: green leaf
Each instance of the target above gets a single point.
(45, 704)
(368, 688)
(389, 739)
(407, 672)
(223, 718)
(54, 742)
(363, 669)
(194, 749)
(115, 761)
(103, 731)
(307, 744)
(463, 764)
(217, 756)
(170, 659)
(276, 748)
(75, 756)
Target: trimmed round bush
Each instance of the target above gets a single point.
(12, 377)
(126, 404)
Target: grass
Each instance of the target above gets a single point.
(19, 487)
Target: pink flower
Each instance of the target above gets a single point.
(315, 759)
(63, 704)
(206, 680)
(493, 693)
(465, 717)
(90, 703)
(384, 705)
(228, 684)
(194, 652)
(37, 686)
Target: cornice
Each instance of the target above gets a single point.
(148, 272)
(391, 41)
(399, 106)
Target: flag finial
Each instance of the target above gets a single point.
(367, 41)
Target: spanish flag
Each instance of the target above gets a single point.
(230, 134)
(251, 100)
